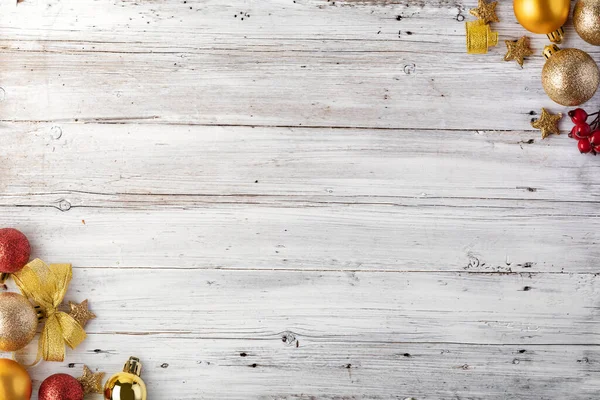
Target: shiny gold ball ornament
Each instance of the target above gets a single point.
(126, 385)
(586, 19)
(15, 383)
(543, 16)
(18, 321)
(570, 76)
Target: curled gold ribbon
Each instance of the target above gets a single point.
(47, 285)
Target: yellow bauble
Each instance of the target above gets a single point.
(126, 385)
(18, 322)
(586, 18)
(570, 77)
(543, 16)
(15, 383)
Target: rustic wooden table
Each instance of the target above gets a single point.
(304, 199)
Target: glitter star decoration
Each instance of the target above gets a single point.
(80, 313)
(517, 50)
(91, 382)
(547, 123)
(485, 12)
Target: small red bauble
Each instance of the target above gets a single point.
(584, 146)
(578, 115)
(61, 387)
(14, 250)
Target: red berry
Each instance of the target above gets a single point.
(595, 138)
(584, 146)
(578, 116)
(581, 131)
(596, 149)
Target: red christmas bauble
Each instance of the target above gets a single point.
(61, 387)
(14, 250)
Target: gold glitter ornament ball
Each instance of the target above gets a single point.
(586, 19)
(18, 321)
(15, 383)
(570, 76)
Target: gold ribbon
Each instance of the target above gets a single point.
(47, 285)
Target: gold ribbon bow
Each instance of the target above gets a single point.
(47, 286)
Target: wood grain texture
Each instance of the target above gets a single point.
(291, 198)
(272, 368)
(288, 335)
(273, 62)
(302, 199)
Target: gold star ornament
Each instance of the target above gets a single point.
(547, 123)
(517, 50)
(91, 383)
(80, 313)
(485, 12)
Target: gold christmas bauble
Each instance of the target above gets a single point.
(570, 76)
(586, 19)
(126, 385)
(15, 383)
(542, 16)
(18, 321)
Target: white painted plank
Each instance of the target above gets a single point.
(368, 237)
(303, 63)
(327, 164)
(468, 308)
(176, 368)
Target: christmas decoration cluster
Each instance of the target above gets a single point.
(570, 77)
(43, 288)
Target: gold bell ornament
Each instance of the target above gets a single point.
(18, 321)
(126, 385)
(543, 16)
(15, 383)
(586, 19)
(570, 76)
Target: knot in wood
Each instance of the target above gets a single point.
(289, 338)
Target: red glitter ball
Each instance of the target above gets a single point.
(14, 250)
(61, 387)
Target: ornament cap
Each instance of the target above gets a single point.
(550, 50)
(133, 366)
(557, 35)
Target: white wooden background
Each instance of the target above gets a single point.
(309, 199)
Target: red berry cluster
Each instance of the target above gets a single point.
(587, 135)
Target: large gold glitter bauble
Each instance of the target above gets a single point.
(586, 18)
(15, 383)
(18, 321)
(543, 16)
(570, 76)
(126, 385)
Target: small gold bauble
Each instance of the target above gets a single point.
(15, 383)
(126, 385)
(543, 16)
(18, 321)
(586, 19)
(570, 76)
